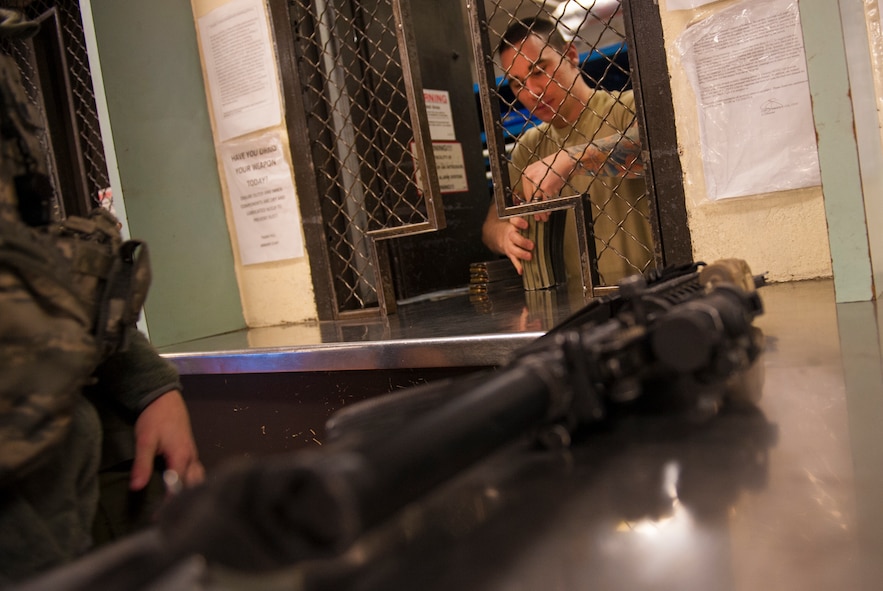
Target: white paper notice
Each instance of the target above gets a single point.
(262, 199)
(450, 166)
(748, 70)
(438, 113)
(240, 68)
(686, 4)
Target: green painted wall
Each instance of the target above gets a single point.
(859, 48)
(169, 178)
(838, 151)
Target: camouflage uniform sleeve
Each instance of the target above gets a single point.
(125, 383)
(136, 376)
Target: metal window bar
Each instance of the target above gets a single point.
(612, 227)
(368, 139)
(72, 138)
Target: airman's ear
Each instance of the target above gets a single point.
(572, 54)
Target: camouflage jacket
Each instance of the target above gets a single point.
(70, 294)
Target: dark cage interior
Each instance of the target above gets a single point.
(54, 67)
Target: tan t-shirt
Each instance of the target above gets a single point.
(619, 206)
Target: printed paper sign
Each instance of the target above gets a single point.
(262, 199)
(450, 166)
(241, 68)
(686, 4)
(748, 70)
(439, 115)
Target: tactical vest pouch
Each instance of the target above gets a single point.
(110, 275)
(47, 350)
(69, 294)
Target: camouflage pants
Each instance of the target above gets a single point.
(121, 511)
(46, 518)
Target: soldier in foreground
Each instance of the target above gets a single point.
(84, 398)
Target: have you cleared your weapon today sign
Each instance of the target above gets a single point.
(262, 200)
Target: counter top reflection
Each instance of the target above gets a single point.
(449, 329)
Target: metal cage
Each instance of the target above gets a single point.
(350, 74)
(365, 122)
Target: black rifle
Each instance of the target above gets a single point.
(679, 340)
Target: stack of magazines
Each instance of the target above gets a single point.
(546, 269)
(487, 277)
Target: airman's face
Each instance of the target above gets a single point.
(542, 79)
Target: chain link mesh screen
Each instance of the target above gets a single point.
(360, 134)
(75, 103)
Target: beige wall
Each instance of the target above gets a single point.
(875, 37)
(273, 293)
(784, 234)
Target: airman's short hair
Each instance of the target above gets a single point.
(543, 28)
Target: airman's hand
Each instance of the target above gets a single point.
(504, 237)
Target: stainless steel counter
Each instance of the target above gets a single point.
(787, 498)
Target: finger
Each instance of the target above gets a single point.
(530, 190)
(521, 246)
(519, 222)
(180, 459)
(185, 473)
(142, 467)
(195, 474)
